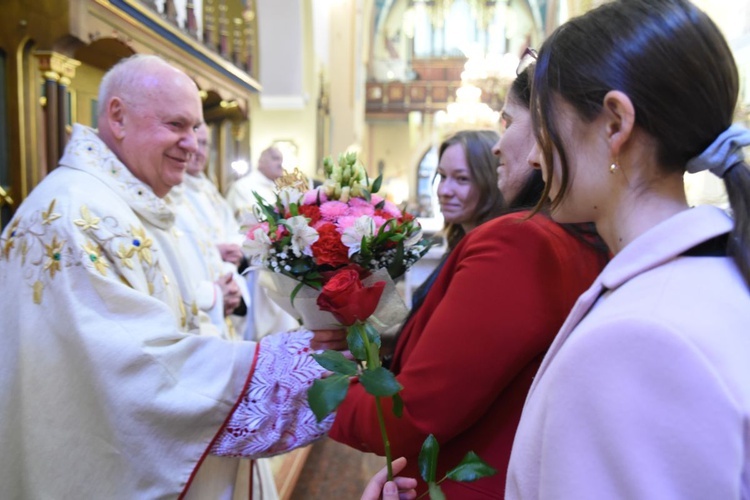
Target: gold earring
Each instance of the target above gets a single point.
(613, 167)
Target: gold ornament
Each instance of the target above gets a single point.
(295, 179)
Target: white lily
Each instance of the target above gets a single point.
(290, 195)
(303, 236)
(258, 246)
(415, 237)
(363, 227)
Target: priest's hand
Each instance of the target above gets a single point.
(230, 252)
(334, 340)
(231, 292)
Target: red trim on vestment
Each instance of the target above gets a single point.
(221, 429)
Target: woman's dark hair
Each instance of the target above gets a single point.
(477, 146)
(673, 63)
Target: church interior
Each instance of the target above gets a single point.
(387, 79)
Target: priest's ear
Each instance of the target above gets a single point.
(115, 117)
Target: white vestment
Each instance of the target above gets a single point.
(106, 390)
(214, 211)
(240, 195)
(200, 257)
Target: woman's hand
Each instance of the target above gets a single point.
(401, 488)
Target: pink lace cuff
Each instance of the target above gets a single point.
(273, 415)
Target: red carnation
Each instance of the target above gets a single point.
(312, 212)
(329, 249)
(348, 299)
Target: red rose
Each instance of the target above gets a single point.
(329, 249)
(312, 212)
(348, 299)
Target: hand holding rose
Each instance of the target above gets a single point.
(334, 340)
(401, 488)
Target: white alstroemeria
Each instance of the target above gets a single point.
(363, 227)
(290, 195)
(303, 236)
(258, 246)
(414, 238)
(248, 218)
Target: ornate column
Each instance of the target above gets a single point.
(58, 70)
(248, 16)
(223, 46)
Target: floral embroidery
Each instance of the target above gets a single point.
(8, 246)
(49, 216)
(54, 254)
(92, 249)
(88, 221)
(142, 244)
(38, 289)
(125, 254)
(273, 415)
(39, 243)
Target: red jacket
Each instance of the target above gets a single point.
(466, 358)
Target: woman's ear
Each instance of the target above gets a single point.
(620, 119)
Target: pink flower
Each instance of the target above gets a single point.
(358, 206)
(311, 197)
(332, 210)
(391, 209)
(345, 222)
(375, 199)
(251, 232)
(379, 221)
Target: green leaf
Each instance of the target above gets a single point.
(380, 205)
(336, 362)
(376, 185)
(372, 334)
(397, 267)
(366, 195)
(398, 406)
(325, 395)
(356, 343)
(471, 468)
(267, 210)
(301, 266)
(428, 459)
(379, 382)
(295, 292)
(435, 492)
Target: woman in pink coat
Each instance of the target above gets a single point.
(645, 392)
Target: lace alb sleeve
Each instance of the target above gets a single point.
(273, 415)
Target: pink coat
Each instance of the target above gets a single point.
(647, 393)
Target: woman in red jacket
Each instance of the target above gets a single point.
(467, 356)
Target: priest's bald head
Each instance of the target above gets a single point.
(148, 115)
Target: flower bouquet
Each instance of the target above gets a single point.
(307, 236)
(330, 256)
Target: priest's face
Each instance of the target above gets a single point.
(160, 122)
(198, 161)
